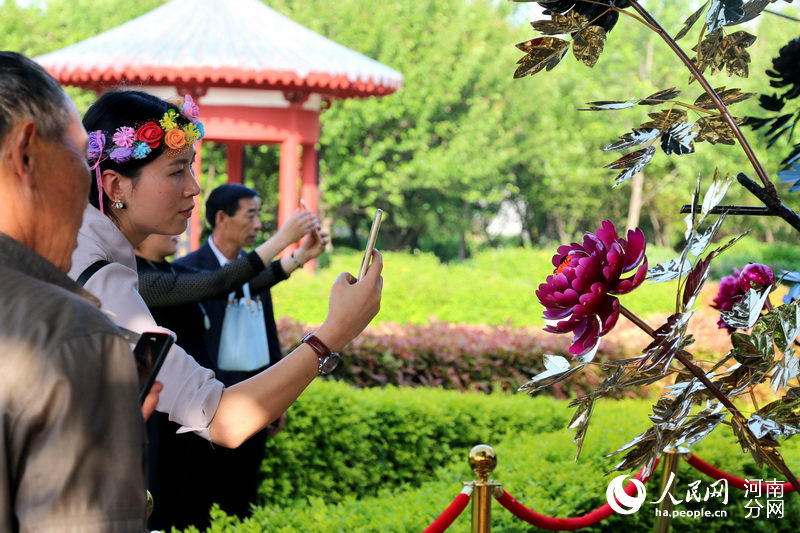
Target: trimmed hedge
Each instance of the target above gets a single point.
(341, 441)
(458, 356)
(535, 463)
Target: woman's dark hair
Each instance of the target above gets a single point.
(125, 108)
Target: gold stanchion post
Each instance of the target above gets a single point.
(482, 460)
(664, 517)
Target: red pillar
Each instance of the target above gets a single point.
(289, 174)
(309, 190)
(196, 223)
(235, 161)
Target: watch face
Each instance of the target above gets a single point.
(327, 364)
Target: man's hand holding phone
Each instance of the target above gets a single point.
(373, 237)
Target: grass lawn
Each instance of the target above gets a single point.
(493, 287)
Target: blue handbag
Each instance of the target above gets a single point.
(243, 343)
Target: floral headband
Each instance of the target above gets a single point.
(137, 143)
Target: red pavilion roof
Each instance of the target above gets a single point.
(216, 43)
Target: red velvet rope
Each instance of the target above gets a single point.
(449, 515)
(564, 524)
(733, 481)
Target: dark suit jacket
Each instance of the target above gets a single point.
(204, 259)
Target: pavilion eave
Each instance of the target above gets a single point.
(328, 85)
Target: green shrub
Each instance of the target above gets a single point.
(535, 464)
(340, 440)
(778, 256)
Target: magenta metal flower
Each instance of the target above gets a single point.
(756, 276)
(580, 297)
(733, 288)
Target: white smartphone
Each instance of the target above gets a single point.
(373, 236)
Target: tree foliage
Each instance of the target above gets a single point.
(462, 136)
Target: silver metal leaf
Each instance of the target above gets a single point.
(786, 369)
(609, 105)
(744, 314)
(788, 325)
(678, 139)
(762, 427)
(636, 137)
(724, 13)
(700, 241)
(716, 191)
(557, 368)
(700, 425)
(669, 270)
(631, 164)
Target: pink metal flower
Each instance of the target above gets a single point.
(756, 276)
(733, 288)
(581, 294)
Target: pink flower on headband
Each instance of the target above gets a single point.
(124, 137)
(97, 142)
(189, 109)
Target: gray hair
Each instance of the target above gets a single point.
(28, 92)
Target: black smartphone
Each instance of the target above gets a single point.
(373, 236)
(150, 351)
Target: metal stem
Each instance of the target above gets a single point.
(720, 105)
(749, 210)
(700, 375)
(770, 200)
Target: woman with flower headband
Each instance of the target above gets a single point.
(141, 153)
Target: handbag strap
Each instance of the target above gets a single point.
(131, 336)
(245, 294)
(90, 271)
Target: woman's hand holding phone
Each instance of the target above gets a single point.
(353, 304)
(373, 237)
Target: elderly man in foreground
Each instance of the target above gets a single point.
(72, 432)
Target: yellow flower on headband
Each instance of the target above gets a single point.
(191, 132)
(168, 121)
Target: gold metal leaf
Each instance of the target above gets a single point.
(720, 51)
(728, 96)
(569, 22)
(664, 119)
(587, 44)
(753, 9)
(689, 22)
(763, 450)
(707, 50)
(580, 423)
(660, 97)
(542, 53)
(714, 130)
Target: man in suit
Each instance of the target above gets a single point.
(233, 212)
